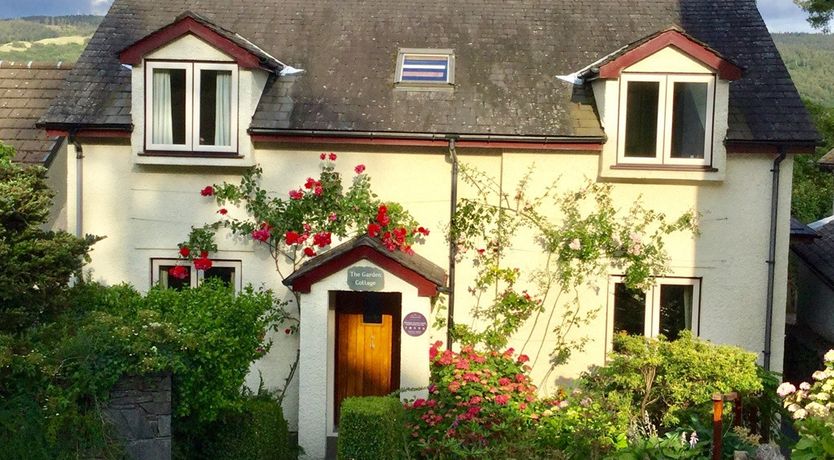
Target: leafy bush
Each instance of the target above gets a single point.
(812, 409)
(206, 336)
(371, 428)
(665, 379)
(258, 431)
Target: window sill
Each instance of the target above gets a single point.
(178, 154)
(654, 167)
(409, 86)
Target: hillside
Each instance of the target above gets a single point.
(46, 38)
(810, 60)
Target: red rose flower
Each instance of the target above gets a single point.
(318, 190)
(207, 191)
(373, 230)
(291, 237)
(185, 251)
(296, 194)
(423, 231)
(359, 169)
(222, 211)
(321, 239)
(309, 252)
(310, 183)
(332, 156)
(323, 156)
(523, 358)
(383, 219)
(203, 263)
(263, 233)
(178, 272)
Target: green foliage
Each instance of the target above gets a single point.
(813, 187)
(819, 12)
(371, 428)
(582, 235)
(35, 265)
(669, 447)
(69, 52)
(258, 431)
(666, 379)
(207, 337)
(810, 61)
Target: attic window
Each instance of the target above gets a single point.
(425, 67)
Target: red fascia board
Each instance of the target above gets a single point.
(133, 54)
(277, 138)
(425, 287)
(725, 69)
(96, 133)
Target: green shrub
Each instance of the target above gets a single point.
(371, 428)
(256, 432)
(665, 379)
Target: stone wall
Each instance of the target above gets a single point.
(140, 410)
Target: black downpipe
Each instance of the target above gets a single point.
(771, 259)
(453, 209)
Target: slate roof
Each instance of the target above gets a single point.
(26, 90)
(507, 52)
(819, 254)
(801, 232)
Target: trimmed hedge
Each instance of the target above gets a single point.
(371, 428)
(258, 432)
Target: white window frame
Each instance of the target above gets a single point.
(425, 52)
(192, 107)
(666, 100)
(651, 320)
(199, 67)
(197, 276)
(150, 145)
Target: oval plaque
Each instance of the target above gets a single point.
(415, 324)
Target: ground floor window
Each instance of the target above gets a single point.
(668, 308)
(228, 271)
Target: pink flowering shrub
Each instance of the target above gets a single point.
(477, 402)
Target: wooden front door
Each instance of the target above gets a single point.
(367, 345)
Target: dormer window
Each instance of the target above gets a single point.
(425, 67)
(191, 107)
(666, 119)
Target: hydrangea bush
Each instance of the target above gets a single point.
(812, 409)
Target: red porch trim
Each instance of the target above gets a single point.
(425, 287)
(725, 69)
(133, 54)
(281, 139)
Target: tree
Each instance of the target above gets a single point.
(820, 12)
(813, 187)
(35, 264)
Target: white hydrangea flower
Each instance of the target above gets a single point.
(829, 356)
(819, 375)
(793, 407)
(785, 389)
(800, 414)
(823, 396)
(816, 409)
(805, 386)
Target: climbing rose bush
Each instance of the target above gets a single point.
(304, 222)
(812, 408)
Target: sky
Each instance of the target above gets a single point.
(780, 15)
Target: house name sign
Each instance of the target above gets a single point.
(365, 279)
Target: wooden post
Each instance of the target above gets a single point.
(717, 429)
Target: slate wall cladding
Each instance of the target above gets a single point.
(140, 410)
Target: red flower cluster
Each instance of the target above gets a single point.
(331, 156)
(207, 191)
(185, 251)
(202, 262)
(395, 238)
(263, 233)
(359, 169)
(178, 272)
(222, 211)
(313, 185)
(296, 194)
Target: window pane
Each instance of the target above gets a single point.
(425, 68)
(224, 274)
(675, 309)
(641, 119)
(216, 107)
(689, 120)
(171, 282)
(168, 118)
(629, 310)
